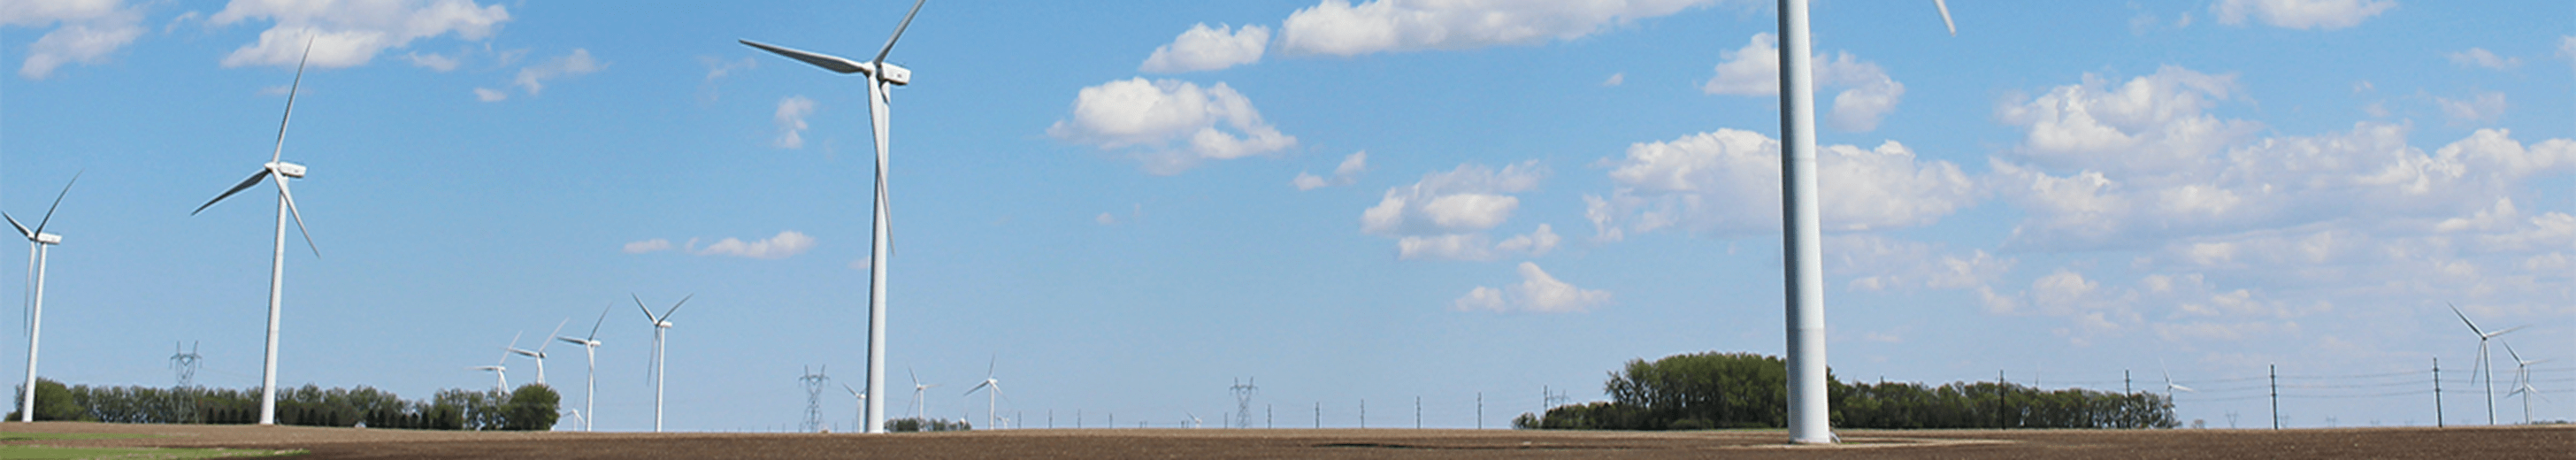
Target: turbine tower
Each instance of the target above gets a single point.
(590, 348)
(862, 406)
(879, 76)
(1802, 237)
(37, 242)
(2483, 362)
(661, 325)
(2522, 381)
(280, 171)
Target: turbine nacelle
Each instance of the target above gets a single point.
(48, 238)
(576, 341)
(286, 169)
(893, 74)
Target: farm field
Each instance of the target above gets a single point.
(2535, 442)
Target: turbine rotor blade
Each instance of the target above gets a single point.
(898, 31)
(979, 386)
(2502, 332)
(675, 308)
(22, 229)
(1945, 16)
(299, 216)
(603, 319)
(237, 188)
(2464, 318)
(58, 203)
(648, 312)
(825, 61)
(541, 345)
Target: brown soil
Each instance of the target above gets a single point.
(2550, 442)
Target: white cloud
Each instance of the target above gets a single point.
(2567, 49)
(533, 78)
(490, 95)
(791, 114)
(1149, 117)
(651, 245)
(2478, 107)
(1537, 293)
(1537, 243)
(347, 34)
(1754, 70)
(1878, 263)
(2480, 57)
(786, 244)
(1203, 48)
(1346, 173)
(2300, 14)
(431, 61)
(1728, 182)
(2153, 122)
(1444, 215)
(1615, 79)
(1105, 219)
(1337, 27)
(85, 31)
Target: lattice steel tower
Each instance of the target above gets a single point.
(814, 383)
(185, 364)
(1243, 390)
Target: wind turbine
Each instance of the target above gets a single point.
(590, 348)
(863, 404)
(500, 371)
(37, 241)
(2522, 381)
(1194, 420)
(540, 353)
(661, 324)
(990, 401)
(918, 406)
(1802, 237)
(281, 171)
(2170, 386)
(2489, 372)
(879, 74)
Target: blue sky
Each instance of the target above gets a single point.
(1126, 207)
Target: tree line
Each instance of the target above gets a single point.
(531, 407)
(1743, 390)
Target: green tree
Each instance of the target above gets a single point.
(531, 408)
(54, 402)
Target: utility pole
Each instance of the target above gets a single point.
(2124, 381)
(1480, 410)
(1269, 416)
(1319, 415)
(1363, 414)
(2274, 371)
(1999, 398)
(1417, 412)
(2437, 392)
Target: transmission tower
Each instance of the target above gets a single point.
(814, 383)
(185, 364)
(1243, 390)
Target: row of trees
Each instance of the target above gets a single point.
(531, 407)
(1743, 390)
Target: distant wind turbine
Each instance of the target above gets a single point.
(500, 371)
(990, 397)
(37, 242)
(590, 348)
(2522, 381)
(2489, 372)
(881, 76)
(862, 406)
(919, 407)
(539, 354)
(1802, 237)
(661, 324)
(281, 171)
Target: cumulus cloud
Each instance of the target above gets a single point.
(85, 31)
(490, 95)
(533, 78)
(1169, 125)
(1445, 215)
(1728, 182)
(1868, 94)
(792, 111)
(786, 244)
(2480, 57)
(2478, 107)
(651, 245)
(347, 34)
(1537, 292)
(1345, 174)
(1202, 48)
(2153, 122)
(1615, 79)
(431, 61)
(1879, 263)
(1337, 27)
(2300, 14)
(2567, 49)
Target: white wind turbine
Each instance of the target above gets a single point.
(2170, 386)
(661, 324)
(1808, 412)
(918, 406)
(590, 348)
(37, 242)
(990, 397)
(880, 75)
(862, 406)
(281, 171)
(500, 371)
(2489, 372)
(538, 354)
(2522, 381)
